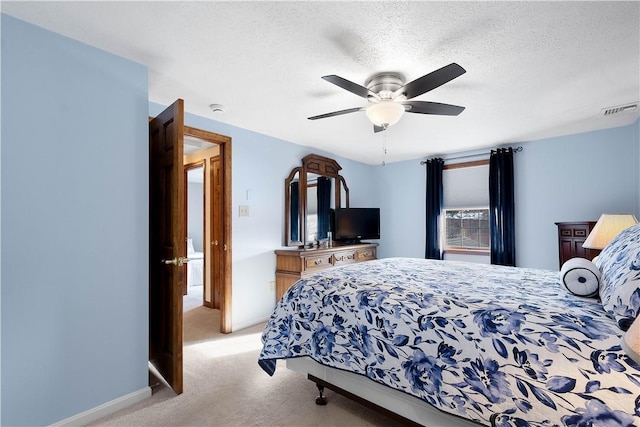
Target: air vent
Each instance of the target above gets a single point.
(628, 108)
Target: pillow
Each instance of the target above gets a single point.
(190, 248)
(619, 263)
(581, 277)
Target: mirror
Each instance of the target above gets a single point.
(311, 191)
(293, 219)
(312, 208)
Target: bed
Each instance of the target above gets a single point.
(483, 344)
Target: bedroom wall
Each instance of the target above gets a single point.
(402, 208)
(195, 214)
(260, 165)
(571, 178)
(74, 282)
(568, 178)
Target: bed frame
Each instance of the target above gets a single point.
(393, 403)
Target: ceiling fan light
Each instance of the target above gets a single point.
(385, 113)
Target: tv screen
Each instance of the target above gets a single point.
(355, 224)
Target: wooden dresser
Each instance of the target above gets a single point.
(293, 264)
(571, 236)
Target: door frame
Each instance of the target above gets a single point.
(224, 142)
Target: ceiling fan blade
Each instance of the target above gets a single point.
(350, 86)
(336, 113)
(377, 128)
(430, 81)
(425, 107)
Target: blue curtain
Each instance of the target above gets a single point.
(434, 193)
(293, 211)
(502, 207)
(324, 204)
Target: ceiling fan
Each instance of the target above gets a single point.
(389, 96)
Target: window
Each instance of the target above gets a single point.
(466, 229)
(465, 213)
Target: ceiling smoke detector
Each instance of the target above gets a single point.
(627, 108)
(217, 108)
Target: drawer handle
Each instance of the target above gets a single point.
(318, 262)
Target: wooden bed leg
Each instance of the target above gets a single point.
(321, 399)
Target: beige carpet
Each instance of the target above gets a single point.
(224, 386)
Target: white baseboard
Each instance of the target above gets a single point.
(105, 409)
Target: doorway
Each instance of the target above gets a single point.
(214, 157)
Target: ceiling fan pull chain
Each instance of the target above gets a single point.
(384, 149)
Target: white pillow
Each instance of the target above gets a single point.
(581, 277)
(190, 248)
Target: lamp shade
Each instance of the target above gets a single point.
(631, 341)
(608, 227)
(385, 113)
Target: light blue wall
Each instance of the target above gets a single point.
(401, 199)
(195, 214)
(260, 165)
(569, 178)
(74, 281)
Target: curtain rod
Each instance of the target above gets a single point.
(515, 150)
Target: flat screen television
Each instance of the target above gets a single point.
(356, 224)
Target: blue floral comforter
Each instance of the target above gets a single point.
(502, 346)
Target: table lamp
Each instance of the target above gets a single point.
(608, 227)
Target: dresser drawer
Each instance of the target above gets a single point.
(344, 257)
(581, 232)
(574, 231)
(317, 262)
(366, 254)
(293, 264)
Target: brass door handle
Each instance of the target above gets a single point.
(180, 261)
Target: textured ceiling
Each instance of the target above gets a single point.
(534, 69)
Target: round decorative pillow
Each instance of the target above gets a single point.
(581, 277)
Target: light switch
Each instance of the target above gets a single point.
(243, 210)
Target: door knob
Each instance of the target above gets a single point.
(214, 243)
(180, 261)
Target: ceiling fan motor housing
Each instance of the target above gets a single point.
(385, 84)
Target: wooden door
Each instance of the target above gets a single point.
(167, 236)
(217, 231)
